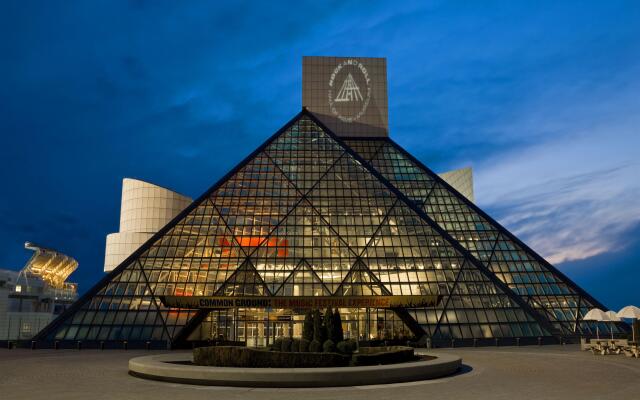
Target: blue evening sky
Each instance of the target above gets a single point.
(542, 98)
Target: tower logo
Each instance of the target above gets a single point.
(349, 103)
(349, 91)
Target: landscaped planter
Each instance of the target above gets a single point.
(244, 357)
(382, 355)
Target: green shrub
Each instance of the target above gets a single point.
(307, 326)
(304, 345)
(286, 344)
(244, 357)
(382, 355)
(295, 345)
(328, 346)
(327, 325)
(337, 334)
(315, 346)
(318, 331)
(344, 347)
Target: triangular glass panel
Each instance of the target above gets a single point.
(366, 148)
(254, 201)
(303, 234)
(478, 308)
(407, 177)
(352, 201)
(122, 304)
(304, 153)
(303, 281)
(360, 282)
(245, 281)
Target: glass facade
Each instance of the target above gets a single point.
(308, 215)
(525, 273)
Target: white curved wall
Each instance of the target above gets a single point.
(145, 209)
(120, 245)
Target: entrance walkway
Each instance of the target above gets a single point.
(548, 372)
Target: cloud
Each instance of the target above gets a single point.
(610, 276)
(574, 193)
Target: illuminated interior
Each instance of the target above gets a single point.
(308, 215)
(52, 266)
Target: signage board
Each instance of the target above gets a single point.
(275, 302)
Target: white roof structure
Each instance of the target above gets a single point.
(461, 180)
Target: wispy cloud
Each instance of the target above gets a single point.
(573, 194)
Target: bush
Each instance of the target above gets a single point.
(318, 330)
(328, 346)
(244, 357)
(338, 334)
(327, 325)
(286, 344)
(304, 345)
(345, 347)
(295, 345)
(307, 326)
(382, 355)
(277, 345)
(315, 346)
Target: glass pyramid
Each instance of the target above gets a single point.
(307, 214)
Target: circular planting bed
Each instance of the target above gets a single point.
(178, 367)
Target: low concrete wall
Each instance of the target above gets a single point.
(166, 367)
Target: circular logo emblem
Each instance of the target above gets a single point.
(349, 90)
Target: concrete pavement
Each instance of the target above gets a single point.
(548, 372)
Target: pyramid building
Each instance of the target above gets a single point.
(322, 214)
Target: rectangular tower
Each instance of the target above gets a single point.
(348, 94)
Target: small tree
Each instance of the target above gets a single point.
(317, 327)
(327, 323)
(338, 333)
(307, 326)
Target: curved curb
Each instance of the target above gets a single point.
(166, 367)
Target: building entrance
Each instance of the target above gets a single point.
(260, 327)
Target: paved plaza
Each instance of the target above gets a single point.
(548, 372)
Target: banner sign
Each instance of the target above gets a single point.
(211, 302)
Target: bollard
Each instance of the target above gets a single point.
(125, 344)
(56, 345)
(148, 345)
(79, 345)
(102, 345)
(33, 345)
(518, 342)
